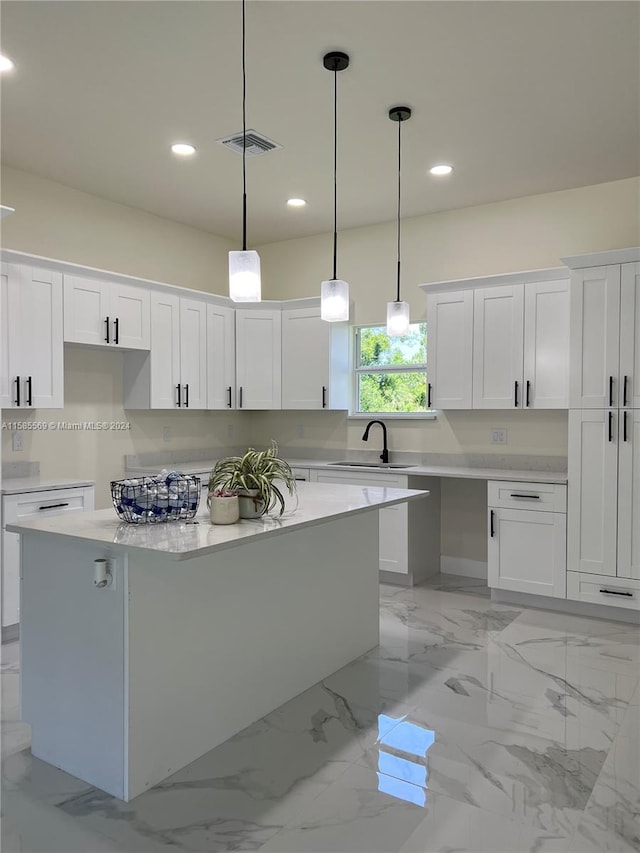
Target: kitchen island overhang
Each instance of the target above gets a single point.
(203, 631)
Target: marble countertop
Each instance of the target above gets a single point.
(462, 472)
(317, 503)
(37, 483)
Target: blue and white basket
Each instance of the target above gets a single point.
(169, 496)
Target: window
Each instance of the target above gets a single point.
(390, 372)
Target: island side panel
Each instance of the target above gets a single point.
(72, 660)
(217, 642)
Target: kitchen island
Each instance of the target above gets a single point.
(202, 630)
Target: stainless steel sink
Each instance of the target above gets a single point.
(370, 465)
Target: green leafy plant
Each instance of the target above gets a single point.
(255, 471)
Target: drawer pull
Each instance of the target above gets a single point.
(526, 497)
(53, 506)
(616, 592)
(492, 530)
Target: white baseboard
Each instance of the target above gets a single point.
(462, 566)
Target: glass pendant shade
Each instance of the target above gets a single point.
(334, 301)
(397, 318)
(244, 276)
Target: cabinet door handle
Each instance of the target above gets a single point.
(491, 527)
(515, 393)
(30, 389)
(324, 397)
(527, 497)
(624, 390)
(229, 393)
(116, 324)
(624, 426)
(179, 398)
(611, 390)
(186, 396)
(429, 387)
(528, 393)
(53, 506)
(616, 592)
(610, 426)
(240, 397)
(17, 391)
(107, 339)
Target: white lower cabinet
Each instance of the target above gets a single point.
(604, 506)
(527, 549)
(20, 507)
(409, 534)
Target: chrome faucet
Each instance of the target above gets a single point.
(385, 451)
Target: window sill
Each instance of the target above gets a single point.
(393, 416)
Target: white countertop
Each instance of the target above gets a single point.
(318, 502)
(17, 485)
(462, 472)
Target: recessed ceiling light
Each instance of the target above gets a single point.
(296, 202)
(183, 149)
(441, 169)
(6, 64)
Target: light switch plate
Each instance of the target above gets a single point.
(498, 435)
(16, 441)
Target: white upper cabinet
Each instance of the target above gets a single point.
(595, 337)
(174, 373)
(546, 345)
(498, 347)
(221, 357)
(106, 313)
(315, 361)
(450, 350)
(31, 372)
(193, 354)
(630, 336)
(258, 358)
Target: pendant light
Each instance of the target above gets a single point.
(244, 266)
(334, 294)
(398, 311)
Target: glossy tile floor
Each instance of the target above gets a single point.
(473, 727)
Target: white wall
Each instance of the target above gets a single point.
(59, 222)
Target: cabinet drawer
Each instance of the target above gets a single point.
(601, 589)
(550, 497)
(360, 478)
(41, 504)
(301, 474)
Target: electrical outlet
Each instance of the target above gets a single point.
(300, 430)
(230, 431)
(166, 434)
(498, 435)
(16, 441)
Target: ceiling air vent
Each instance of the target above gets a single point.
(257, 143)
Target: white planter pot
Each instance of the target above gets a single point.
(250, 506)
(224, 510)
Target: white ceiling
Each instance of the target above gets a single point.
(521, 97)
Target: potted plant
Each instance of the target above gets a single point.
(224, 507)
(258, 477)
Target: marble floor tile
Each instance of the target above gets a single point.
(354, 814)
(611, 821)
(474, 726)
(524, 778)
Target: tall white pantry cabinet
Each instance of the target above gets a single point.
(603, 548)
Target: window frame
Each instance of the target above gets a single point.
(355, 413)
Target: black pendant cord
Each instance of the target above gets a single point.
(244, 138)
(335, 171)
(399, 172)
